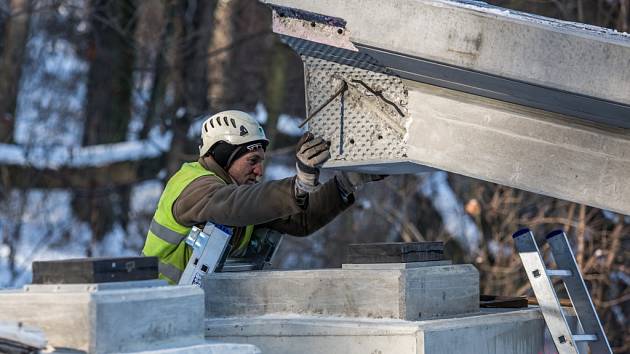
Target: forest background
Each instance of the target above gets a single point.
(100, 103)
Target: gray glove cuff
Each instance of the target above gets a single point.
(306, 182)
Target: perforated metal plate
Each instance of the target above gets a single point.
(367, 116)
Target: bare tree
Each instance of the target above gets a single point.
(110, 55)
(14, 30)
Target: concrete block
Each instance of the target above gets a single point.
(491, 332)
(410, 294)
(82, 317)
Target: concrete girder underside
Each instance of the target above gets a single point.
(507, 114)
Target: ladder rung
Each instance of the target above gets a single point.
(559, 273)
(585, 338)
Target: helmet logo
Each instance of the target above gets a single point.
(244, 130)
(254, 147)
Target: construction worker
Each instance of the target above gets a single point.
(223, 186)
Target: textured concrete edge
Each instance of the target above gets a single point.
(298, 325)
(308, 273)
(210, 347)
(493, 11)
(390, 167)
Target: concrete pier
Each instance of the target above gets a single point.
(488, 332)
(409, 294)
(384, 308)
(116, 317)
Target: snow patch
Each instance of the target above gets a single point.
(53, 81)
(145, 196)
(576, 27)
(290, 125)
(275, 172)
(456, 221)
(55, 157)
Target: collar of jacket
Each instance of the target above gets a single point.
(209, 164)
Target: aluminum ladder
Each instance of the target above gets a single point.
(540, 279)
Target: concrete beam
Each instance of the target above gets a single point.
(411, 294)
(577, 58)
(519, 147)
(492, 332)
(500, 142)
(553, 117)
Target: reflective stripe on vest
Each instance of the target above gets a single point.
(166, 234)
(169, 271)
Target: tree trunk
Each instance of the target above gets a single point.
(193, 34)
(220, 56)
(108, 106)
(14, 34)
(158, 31)
(276, 89)
(110, 78)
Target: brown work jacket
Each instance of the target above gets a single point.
(270, 204)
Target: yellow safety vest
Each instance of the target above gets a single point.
(166, 236)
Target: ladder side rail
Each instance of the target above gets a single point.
(544, 291)
(578, 292)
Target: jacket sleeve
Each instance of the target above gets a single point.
(209, 198)
(323, 206)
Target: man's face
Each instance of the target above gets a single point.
(248, 169)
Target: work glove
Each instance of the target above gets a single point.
(311, 153)
(350, 182)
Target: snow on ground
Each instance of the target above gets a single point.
(53, 81)
(39, 221)
(46, 229)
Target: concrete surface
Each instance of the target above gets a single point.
(108, 321)
(587, 60)
(504, 143)
(491, 332)
(207, 348)
(411, 294)
(73, 288)
(485, 138)
(524, 148)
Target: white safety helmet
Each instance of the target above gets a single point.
(233, 127)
